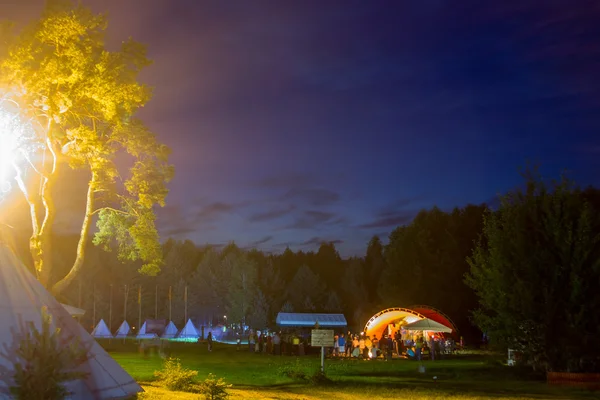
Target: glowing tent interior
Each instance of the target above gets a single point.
(390, 320)
(22, 298)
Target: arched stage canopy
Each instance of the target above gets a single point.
(378, 324)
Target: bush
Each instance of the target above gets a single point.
(295, 371)
(213, 388)
(176, 378)
(319, 378)
(43, 361)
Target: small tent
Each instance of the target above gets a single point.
(123, 330)
(427, 325)
(22, 298)
(142, 334)
(170, 331)
(101, 331)
(189, 331)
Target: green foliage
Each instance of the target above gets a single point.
(84, 98)
(295, 370)
(536, 272)
(176, 378)
(44, 361)
(214, 388)
(304, 372)
(307, 290)
(320, 379)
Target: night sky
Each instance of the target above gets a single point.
(296, 122)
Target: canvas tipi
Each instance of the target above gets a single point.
(170, 331)
(189, 331)
(123, 330)
(22, 298)
(143, 335)
(101, 331)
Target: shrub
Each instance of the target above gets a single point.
(176, 378)
(319, 378)
(43, 361)
(294, 370)
(213, 388)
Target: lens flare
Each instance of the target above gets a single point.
(17, 141)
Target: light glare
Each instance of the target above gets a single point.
(16, 140)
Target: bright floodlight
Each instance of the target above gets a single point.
(16, 142)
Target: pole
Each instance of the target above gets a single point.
(185, 300)
(140, 307)
(94, 306)
(170, 297)
(322, 359)
(125, 295)
(156, 303)
(110, 310)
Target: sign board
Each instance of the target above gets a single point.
(321, 338)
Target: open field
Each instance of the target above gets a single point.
(256, 376)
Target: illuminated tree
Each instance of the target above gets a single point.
(82, 99)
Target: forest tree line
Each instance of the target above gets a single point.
(423, 263)
(525, 273)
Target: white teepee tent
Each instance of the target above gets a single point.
(189, 331)
(143, 335)
(123, 330)
(101, 331)
(170, 331)
(22, 298)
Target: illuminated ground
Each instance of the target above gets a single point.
(256, 376)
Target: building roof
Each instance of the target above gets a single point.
(310, 319)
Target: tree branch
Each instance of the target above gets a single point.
(111, 209)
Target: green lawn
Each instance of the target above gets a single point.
(256, 376)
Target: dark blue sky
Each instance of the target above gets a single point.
(293, 122)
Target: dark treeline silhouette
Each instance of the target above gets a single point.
(423, 263)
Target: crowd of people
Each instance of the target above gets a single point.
(401, 344)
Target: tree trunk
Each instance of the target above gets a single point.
(83, 241)
(45, 235)
(34, 240)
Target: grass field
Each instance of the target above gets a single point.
(256, 376)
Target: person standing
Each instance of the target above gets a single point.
(209, 340)
(342, 345)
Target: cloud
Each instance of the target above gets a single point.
(292, 179)
(174, 220)
(316, 197)
(260, 241)
(318, 241)
(313, 219)
(271, 214)
(180, 231)
(393, 215)
(390, 221)
(214, 209)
